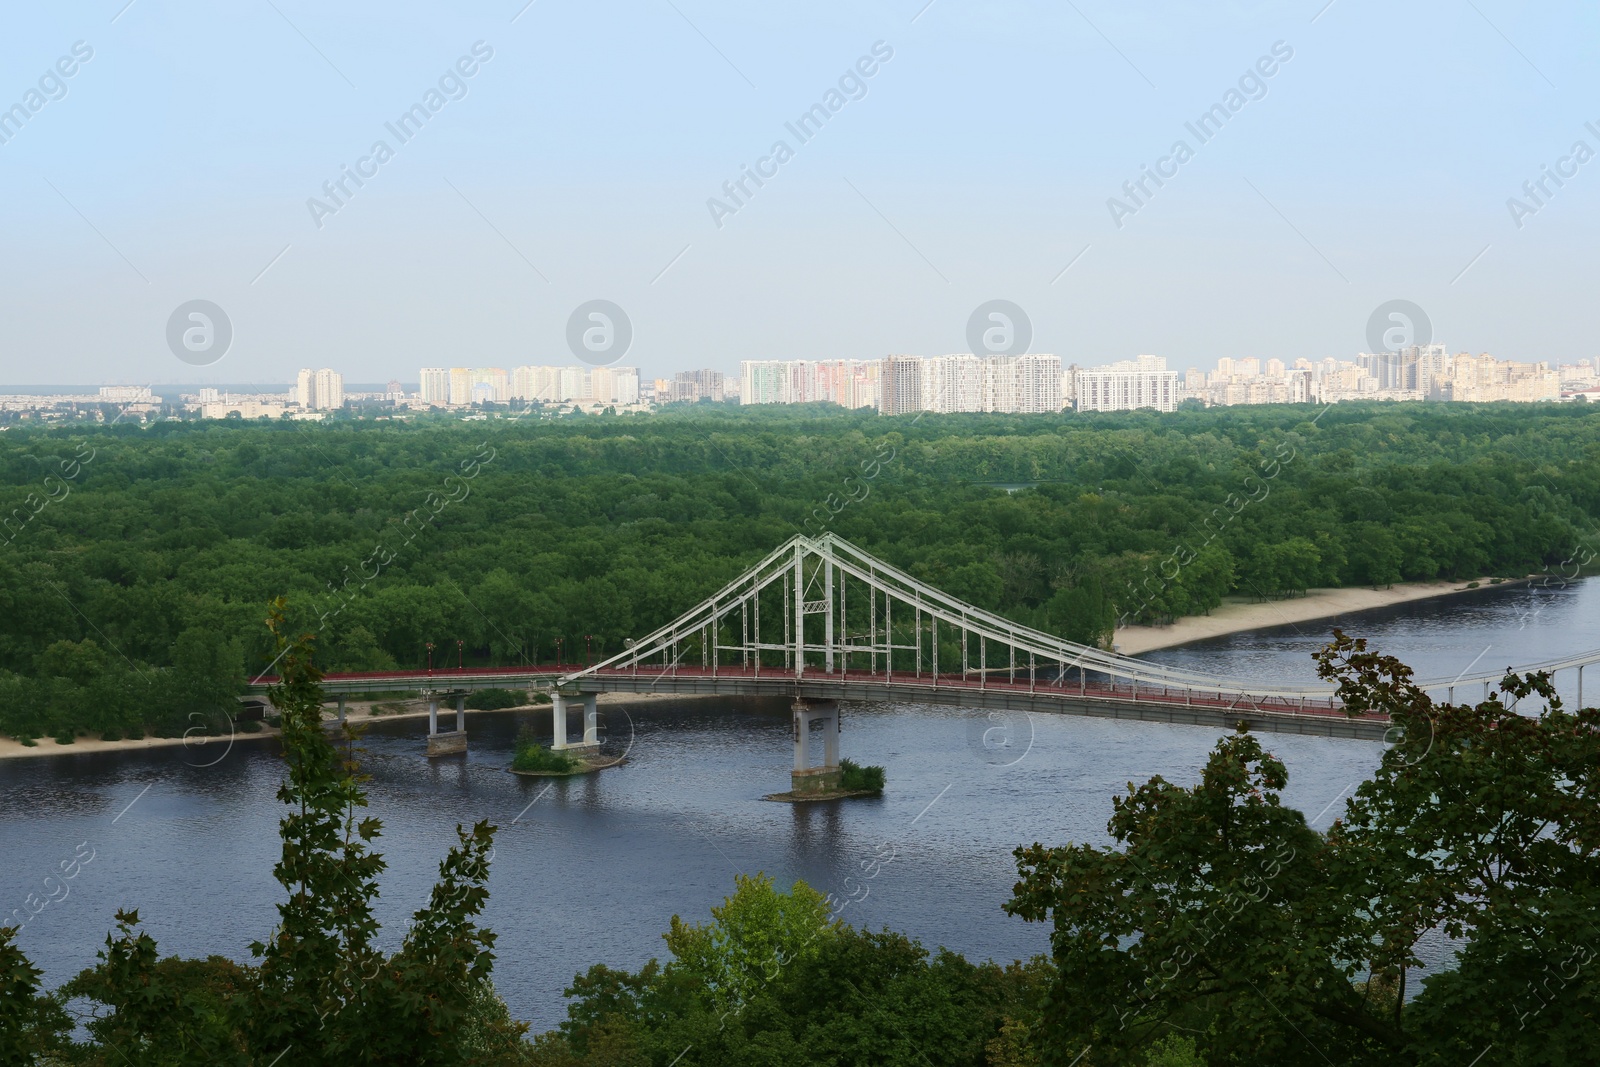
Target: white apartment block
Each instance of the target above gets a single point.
(1128, 385)
(318, 390)
(850, 383)
(900, 384)
(1036, 384)
(436, 385)
(1420, 372)
(561, 385)
(956, 383)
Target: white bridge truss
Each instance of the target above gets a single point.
(821, 606)
(819, 609)
(819, 620)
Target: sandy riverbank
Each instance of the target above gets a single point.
(1236, 616)
(358, 711)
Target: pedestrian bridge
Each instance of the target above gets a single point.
(819, 621)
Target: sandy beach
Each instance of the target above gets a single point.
(204, 750)
(1236, 615)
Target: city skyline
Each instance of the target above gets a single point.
(413, 380)
(1027, 383)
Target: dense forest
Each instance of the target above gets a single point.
(140, 558)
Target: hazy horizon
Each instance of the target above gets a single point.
(586, 154)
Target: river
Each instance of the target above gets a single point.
(591, 870)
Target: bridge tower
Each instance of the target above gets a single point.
(815, 717)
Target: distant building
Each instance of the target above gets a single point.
(696, 385)
(561, 385)
(244, 407)
(436, 386)
(900, 385)
(1129, 385)
(318, 390)
(1418, 372)
(329, 391)
(1034, 385)
(126, 394)
(849, 383)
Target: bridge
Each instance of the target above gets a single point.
(819, 622)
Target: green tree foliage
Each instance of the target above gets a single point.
(33, 1026)
(773, 979)
(512, 535)
(1221, 913)
(752, 936)
(169, 1011)
(857, 778)
(322, 992)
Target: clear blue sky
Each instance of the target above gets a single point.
(978, 164)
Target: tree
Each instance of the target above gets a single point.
(752, 935)
(358, 650)
(1481, 821)
(33, 1026)
(322, 988)
(1221, 912)
(168, 1011)
(848, 997)
(1080, 612)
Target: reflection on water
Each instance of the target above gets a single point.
(591, 870)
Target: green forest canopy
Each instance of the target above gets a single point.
(140, 559)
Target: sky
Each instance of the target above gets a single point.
(186, 158)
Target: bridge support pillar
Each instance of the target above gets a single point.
(446, 742)
(591, 721)
(811, 717)
(341, 707)
(558, 721)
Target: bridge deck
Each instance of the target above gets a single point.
(1099, 699)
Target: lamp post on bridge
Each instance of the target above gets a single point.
(559, 642)
(586, 639)
(460, 662)
(430, 659)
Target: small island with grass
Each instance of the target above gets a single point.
(850, 780)
(542, 761)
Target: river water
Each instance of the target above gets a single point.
(591, 870)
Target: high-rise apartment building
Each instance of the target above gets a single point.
(460, 386)
(329, 386)
(318, 390)
(694, 385)
(625, 385)
(849, 383)
(1130, 384)
(1036, 384)
(436, 385)
(900, 385)
(765, 381)
(955, 383)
